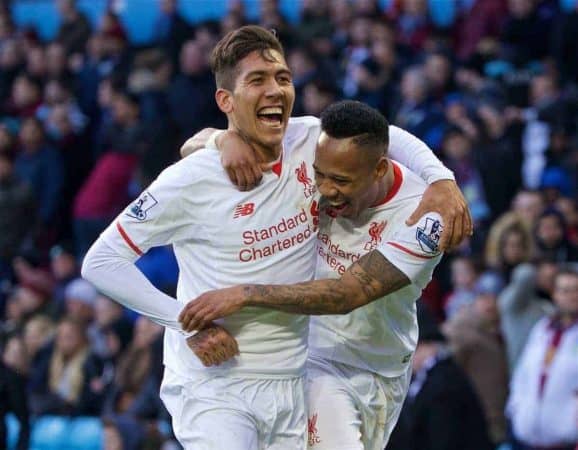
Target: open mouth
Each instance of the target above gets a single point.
(271, 116)
(336, 209)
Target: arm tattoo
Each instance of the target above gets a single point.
(372, 277)
(314, 297)
(379, 274)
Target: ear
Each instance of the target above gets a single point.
(224, 99)
(381, 167)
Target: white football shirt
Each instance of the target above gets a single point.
(381, 336)
(223, 237)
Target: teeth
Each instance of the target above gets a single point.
(271, 110)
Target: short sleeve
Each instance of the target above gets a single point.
(159, 216)
(415, 250)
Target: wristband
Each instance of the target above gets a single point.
(212, 141)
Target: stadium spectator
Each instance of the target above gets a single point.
(442, 410)
(318, 94)
(38, 334)
(134, 391)
(475, 339)
(479, 22)
(172, 30)
(464, 274)
(543, 99)
(569, 209)
(106, 189)
(25, 97)
(109, 322)
(17, 220)
(520, 306)
(415, 111)
(80, 297)
(542, 406)
(528, 205)
(74, 29)
(412, 24)
(458, 154)
(64, 382)
(525, 35)
(509, 243)
(57, 62)
(10, 63)
(13, 394)
(565, 43)
(551, 240)
(194, 82)
(498, 147)
(24, 302)
(40, 165)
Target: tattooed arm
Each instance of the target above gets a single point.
(369, 279)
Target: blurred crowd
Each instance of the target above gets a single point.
(88, 119)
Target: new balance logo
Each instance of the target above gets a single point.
(244, 209)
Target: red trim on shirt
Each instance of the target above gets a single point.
(128, 240)
(407, 250)
(394, 189)
(276, 168)
(557, 331)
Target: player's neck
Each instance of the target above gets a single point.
(267, 154)
(385, 185)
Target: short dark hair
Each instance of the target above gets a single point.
(235, 46)
(352, 119)
(567, 269)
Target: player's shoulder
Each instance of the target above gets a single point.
(305, 121)
(202, 164)
(411, 186)
(403, 142)
(302, 126)
(399, 134)
(301, 136)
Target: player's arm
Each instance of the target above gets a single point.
(116, 276)
(369, 279)
(204, 138)
(442, 195)
(237, 156)
(156, 218)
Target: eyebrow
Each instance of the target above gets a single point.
(261, 73)
(333, 175)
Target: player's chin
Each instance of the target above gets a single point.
(272, 140)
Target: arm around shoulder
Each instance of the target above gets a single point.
(204, 138)
(367, 280)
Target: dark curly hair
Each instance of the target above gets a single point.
(235, 46)
(351, 119)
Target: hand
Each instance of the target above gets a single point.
(240, 161)
(196, 142)
(210, 306)
(445, 198)
(213, 345)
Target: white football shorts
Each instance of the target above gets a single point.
(221, 413)
(349, 408)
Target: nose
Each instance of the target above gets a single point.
(327, 189)
(273, 88)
